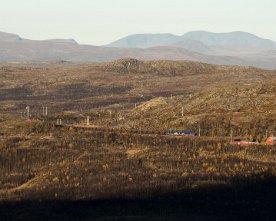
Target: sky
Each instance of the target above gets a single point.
(99, 22)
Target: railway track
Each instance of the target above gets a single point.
(149, 133)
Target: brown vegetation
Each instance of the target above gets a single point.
(120, 84)
(124, 153)
(76, 163)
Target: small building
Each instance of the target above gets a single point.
(271, 141)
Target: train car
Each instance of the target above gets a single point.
(186, 133)
(245, 142)
(172, 132)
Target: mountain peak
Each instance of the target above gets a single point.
(238, 39)
(144, 40)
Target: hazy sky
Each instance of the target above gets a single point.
(102, 21)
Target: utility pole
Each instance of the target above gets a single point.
(199, 130)
(87, 120)
(182, 113)
(44, 110)
(28, 112)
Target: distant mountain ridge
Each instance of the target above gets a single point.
(235, 48)
(232, 39)
(8, 37)
(239, 39)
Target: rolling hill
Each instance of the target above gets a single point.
(239, 106)
(65, 86)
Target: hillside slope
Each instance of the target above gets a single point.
(66, 86)
(242, 106)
